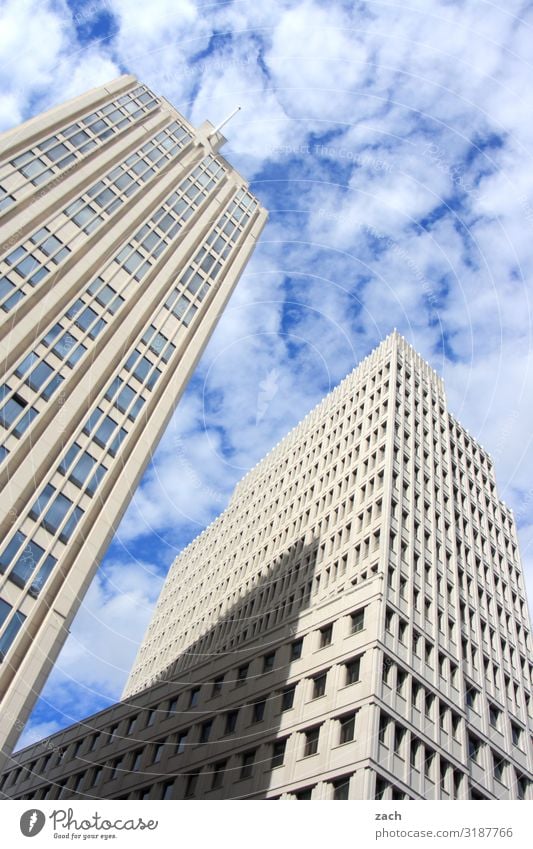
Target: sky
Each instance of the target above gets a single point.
(392, 144)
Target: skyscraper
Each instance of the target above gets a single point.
(353, 625)
(124, 233)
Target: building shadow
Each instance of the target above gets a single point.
(209, 726)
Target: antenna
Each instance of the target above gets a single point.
(225, 121)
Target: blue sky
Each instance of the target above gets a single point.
(392, 146)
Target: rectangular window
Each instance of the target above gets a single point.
(474, 748)
(296, 649)
(40, 374)
(231, 721)
(287, 698)
(242, 673)
(341, 788)
(217, 686)
(353, 668)
(82, 469)
(167, 791)
(190, 787)
(218, 774)
(311, 741)
(357, 621)
(319, 685)
(278, 753)
(326, 635)
(258, 712)
(347, 728)
(106, 429)
(194, 696)
(26, 563)
(268, 662)
(11, 549)
(247, 764)
(11, 631)
(181, 742)
(205, 730)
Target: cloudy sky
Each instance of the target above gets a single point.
(392, 144)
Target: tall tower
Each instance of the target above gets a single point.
(353, 625)
(124, 233)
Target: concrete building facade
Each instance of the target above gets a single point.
(124, 232)
(353, 626)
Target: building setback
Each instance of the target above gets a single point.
(124, 233)
(353, 625)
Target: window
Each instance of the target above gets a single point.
(499, 768)
(471, 696)
(231, 721)
(247, 764)
(474, 748)
(11, 549)
(319, 685)
(82, 469)
(383, 728)
(26, 563)
(296, 649)
(242, 673)
(218, 774)
(56, 514)
(268, 662)
(494, 716)
(357, 621)
(167, 790)
(137, 760)
(11, 631)
(205, 730)
(341, 788)
(353, 668)
(399, 736)
(304, 795)
(287, 698)
(311, 741)
(150, 719)
(258, 712)
(278, 753)
(11, 411)
(347, 728)
(115, 769)
(190, 785)
(39, 375)
(217, 686)
(194, 696)
(326, 635)
(158, 751)
(181, 741)
(401, 678)
(516, 734)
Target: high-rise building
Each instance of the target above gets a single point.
(353, 625)
(124, 233)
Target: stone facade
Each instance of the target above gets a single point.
(353, 625)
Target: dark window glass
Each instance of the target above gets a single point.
(278, 753)
(287, 698)
(247, 764)
(311, 741)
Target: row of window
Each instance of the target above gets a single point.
(68, 144)
(31, 262)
